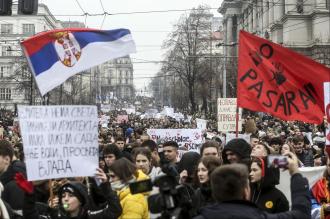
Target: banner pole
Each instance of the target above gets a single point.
(237, 117)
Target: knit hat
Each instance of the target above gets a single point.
(76, 189)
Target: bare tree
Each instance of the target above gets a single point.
(187, 45)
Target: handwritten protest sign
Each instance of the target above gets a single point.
(327, 111)
(201, 123)
(188, 138)
(104, 121)
(227, 115)
(122, 119)
(59, 141)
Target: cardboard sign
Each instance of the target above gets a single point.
(59, 141)
(227, 115)
(191, 139)
(201, 124)
(122, 119)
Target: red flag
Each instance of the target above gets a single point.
(279, 81)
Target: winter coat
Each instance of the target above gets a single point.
(12, 194)
(264, 193)
(306, 157)
(240, 209)
(111, 211)
(203, 196)
(134, 206)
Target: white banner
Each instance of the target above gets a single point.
(107, 108)
(188, 138)
(227, 115)
(327, 110)
(313, 174)
(201, 124)
(230, 136)
(59, 141)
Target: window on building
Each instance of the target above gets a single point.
(5, 94)
(28, 29)
(120, 74)
(4, 71)
(327, 4)
(25, 72)
(6, 51)
(127, 74)
(300, 6)
(126, 81)
(6, 28)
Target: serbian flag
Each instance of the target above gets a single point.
(278, 81)
(56, 55)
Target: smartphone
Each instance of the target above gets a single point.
(140, 186)
(277, 161)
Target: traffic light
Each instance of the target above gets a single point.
(5, 7)
(28, 7)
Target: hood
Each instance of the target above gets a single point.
(238, 146)
(271, 178)
(189, 162)
(79, 190)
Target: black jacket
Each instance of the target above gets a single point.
(112, 211)
(239, 209)
(12, 194)
(203, 197)
(264, 193)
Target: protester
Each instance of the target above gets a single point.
(123, 172)
(305, 156)
(263, 191)
(210, 148)
(143, 161)
(320, 194)
(231, 190)
(110, 153)
(9, 166)
(73, 201)
(203, 194)
(254, 140)
(170, 149)
(187, 167)
(237, 151)
(260, 150)
(152, 146)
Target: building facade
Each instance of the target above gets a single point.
(16, 85)
(302, 25)
(116, 80)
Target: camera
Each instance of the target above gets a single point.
(173, 201)
(277, 161)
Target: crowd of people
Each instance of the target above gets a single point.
(233, 179)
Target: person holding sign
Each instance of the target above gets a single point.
(73, 201)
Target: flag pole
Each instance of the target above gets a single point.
(237, 117)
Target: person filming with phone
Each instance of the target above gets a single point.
(231, 191)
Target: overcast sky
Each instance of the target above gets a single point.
(149, 29)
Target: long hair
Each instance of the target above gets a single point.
(124, 169)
